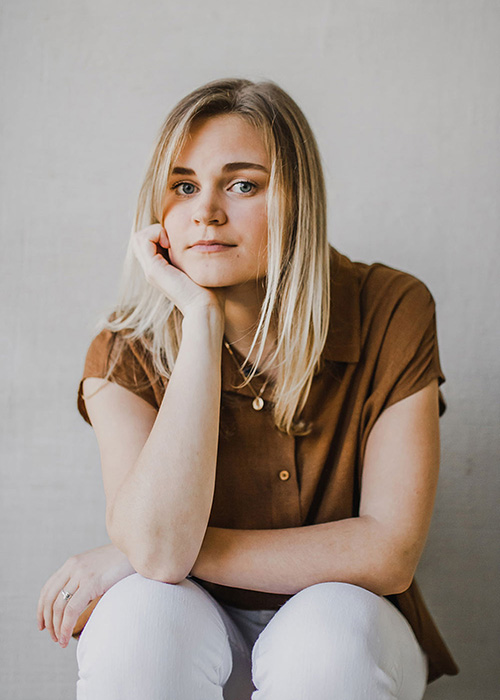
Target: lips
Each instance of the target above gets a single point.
(212, 241)
(212, 246)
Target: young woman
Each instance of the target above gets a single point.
(267, 416)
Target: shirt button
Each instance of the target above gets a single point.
(284, 475)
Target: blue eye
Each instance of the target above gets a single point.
(185, 193)
(183, 184)
(245, 183)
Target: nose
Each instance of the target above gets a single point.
(208, 210)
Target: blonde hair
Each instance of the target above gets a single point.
(297, 285)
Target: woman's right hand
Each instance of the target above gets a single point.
(86, 576)
(173, 282)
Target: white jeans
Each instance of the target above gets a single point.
(148, 640)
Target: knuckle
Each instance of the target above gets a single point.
(90, 578)
(81, 567)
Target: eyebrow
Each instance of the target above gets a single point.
(227, 168)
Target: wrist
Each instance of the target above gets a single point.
(205, 316)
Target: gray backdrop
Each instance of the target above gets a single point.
(404, 99)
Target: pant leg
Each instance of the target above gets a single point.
(337, 641)
(160, 641)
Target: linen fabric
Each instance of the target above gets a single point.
(381, 347)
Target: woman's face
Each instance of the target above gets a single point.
(217, 192)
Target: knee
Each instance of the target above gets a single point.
(138, 614)
(136, 601)
(334, 635)
(145, 636)
(333, 619)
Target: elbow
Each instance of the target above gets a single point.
(144, 561)
(406, 579)
(397, 578)
(397, 561)
(150, 558)
(397, 586)
(150, 567)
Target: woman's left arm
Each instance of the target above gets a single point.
(380, 549)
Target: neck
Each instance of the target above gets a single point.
(242, 308)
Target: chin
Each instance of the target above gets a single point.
(216, 274)
(205, 279)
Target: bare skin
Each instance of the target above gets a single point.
(159, 466)
(218, 293)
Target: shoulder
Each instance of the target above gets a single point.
(389, 317)
(368, 297)
(109, 346)
(375, 281)
(390, 296)
(124, 360)
(385, 287)
(397, 311)
(398, 333)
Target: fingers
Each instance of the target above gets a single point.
(71, 612)
(147, 239)
(156, 267)
(48, 595)
(86, 577)
(58, 615)
(146, 243)
(145, 247)
(164, 242)
(60, 605)
(51, 604)
(162, 274)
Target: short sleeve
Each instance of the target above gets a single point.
(409, 355)
(130, 367)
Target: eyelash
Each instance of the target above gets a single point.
(239, 182)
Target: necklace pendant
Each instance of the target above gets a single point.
(258, 403)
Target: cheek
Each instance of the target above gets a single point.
(174, 224)
(253, 224)
(175, 221)
(261, 231)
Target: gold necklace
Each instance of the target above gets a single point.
(258, 402)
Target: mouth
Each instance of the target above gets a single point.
(212, 246)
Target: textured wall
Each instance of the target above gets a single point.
(404, 99)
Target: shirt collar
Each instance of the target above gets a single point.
(343, 342)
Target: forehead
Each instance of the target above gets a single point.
(223, 137)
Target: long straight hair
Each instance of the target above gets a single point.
(297, 283)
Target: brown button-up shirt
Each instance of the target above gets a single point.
(381, 347)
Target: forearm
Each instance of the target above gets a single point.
(353, 550)
(160, 513)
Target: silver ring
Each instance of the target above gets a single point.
(66, 595)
